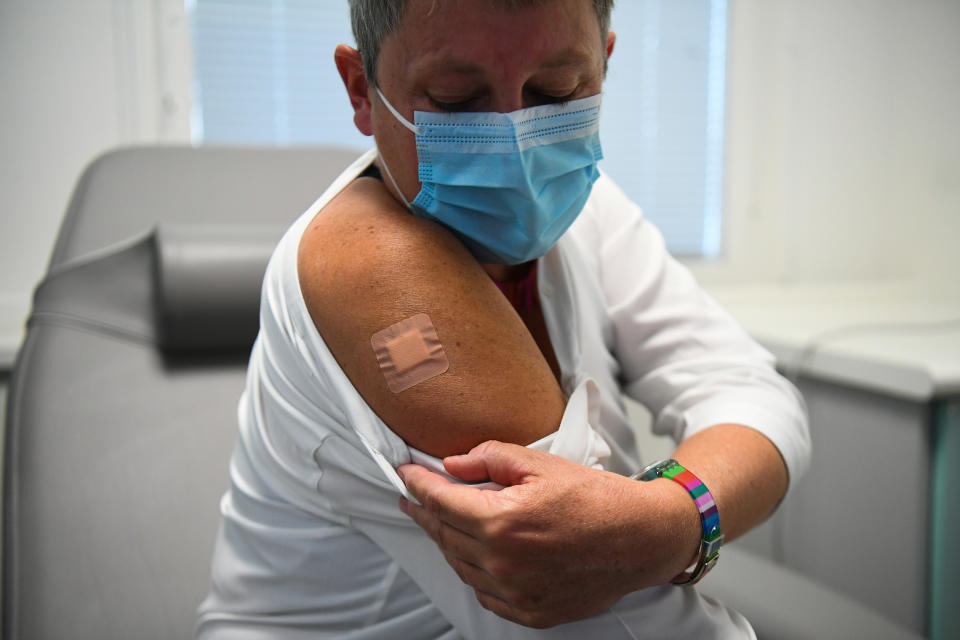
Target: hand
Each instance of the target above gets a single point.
(561, 541)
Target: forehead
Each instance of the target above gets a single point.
(427, 8)
(468, 32)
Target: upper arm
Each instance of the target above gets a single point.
(365, 264)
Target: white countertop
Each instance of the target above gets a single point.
(12, 314)
(8, 351)
(882, 337)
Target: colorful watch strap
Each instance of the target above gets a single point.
(712, 538)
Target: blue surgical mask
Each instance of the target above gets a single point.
(507, 184)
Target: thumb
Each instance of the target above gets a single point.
(503, 463)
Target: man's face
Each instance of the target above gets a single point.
(475, 55)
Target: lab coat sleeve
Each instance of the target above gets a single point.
(681, 355)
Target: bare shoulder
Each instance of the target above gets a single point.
(365, 264)
(364, 238)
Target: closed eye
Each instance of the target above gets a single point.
(539, 97)
(460, 105)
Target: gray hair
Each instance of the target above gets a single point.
(373, 20)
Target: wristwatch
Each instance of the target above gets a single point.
(712, 537)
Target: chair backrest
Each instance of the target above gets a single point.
(121, 412)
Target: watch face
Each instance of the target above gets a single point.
(653, 471)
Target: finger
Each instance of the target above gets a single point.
(452, 542)
(504, 463)
(512, 590)
(458, 506)
(500, 607)
(507, 586)
(474, 576)
(537, 615)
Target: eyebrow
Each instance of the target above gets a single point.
(575, 56)
(572, 56)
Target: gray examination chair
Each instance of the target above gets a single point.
(122, 407)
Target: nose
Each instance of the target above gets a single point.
(509, 98)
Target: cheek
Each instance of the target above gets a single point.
(398, 146)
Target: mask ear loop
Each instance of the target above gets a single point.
(383, 162)
(396, 187)
(396, 114)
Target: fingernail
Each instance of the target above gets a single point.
(401, 474)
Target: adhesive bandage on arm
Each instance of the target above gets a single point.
(409, 352)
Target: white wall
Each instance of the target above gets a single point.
(843, 142)
(76, 78)
(843, 135)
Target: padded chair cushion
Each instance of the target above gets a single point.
(205, 287)
(104, 292)
(114, 491)
(208, 282)
(117, 450)
(126, 192)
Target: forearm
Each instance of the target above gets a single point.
(514, 546)
(742, 469)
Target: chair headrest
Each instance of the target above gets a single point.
(207, 284)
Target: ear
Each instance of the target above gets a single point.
(611, 40)
(350, 65)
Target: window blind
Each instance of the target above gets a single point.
(265, 75)
(662, 124)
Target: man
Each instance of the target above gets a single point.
(475, 279)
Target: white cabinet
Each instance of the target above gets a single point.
(874, 516)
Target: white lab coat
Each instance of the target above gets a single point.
(312, 542)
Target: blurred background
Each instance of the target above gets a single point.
(801, 156)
